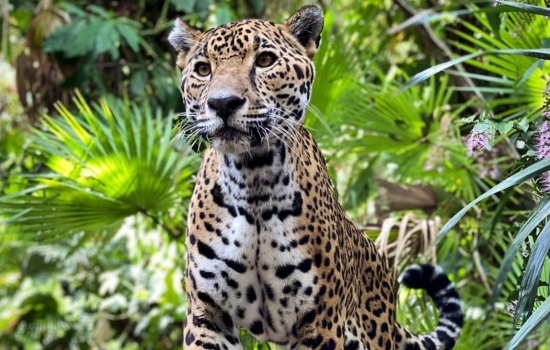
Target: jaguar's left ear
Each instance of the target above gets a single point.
(306, 26)
(183, 37)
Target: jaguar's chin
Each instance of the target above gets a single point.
(228, 134)
(231, 144)
(230, 140)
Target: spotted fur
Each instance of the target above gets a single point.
(269, 247)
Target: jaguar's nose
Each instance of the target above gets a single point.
(225, 106)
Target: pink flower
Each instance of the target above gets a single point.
(476, 142)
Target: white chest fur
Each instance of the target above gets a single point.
(251, 261)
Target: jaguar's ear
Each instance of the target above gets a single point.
(183, 37)
(306, 26)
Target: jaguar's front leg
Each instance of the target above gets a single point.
(322, 328)
(207, 326)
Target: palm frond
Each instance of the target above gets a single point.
(428, 16)
(106, 163)
(505, 59)
(507, 264)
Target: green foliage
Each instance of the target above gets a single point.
(525, 88)
(106, 164)
(133, 298)
(113, 170)
(532, 171)
(515, 90)
(93, 199)
(93, 33)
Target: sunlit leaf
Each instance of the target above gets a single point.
(106, 167)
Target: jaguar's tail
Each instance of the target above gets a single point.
(438, 286)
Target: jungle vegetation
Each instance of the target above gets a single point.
(433, 116)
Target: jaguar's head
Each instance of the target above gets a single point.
(247, 84)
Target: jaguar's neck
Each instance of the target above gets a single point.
(289, 165)
(258, 173)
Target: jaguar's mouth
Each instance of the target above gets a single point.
(228, 133)
(232, 140)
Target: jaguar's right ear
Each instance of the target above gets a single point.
(306, 26)
(183, 37)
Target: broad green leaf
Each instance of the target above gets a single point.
(130, 36)
(106, 40)
(99, 11)
(504, 127)
(58, 40)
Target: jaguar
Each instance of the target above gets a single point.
(269, 248)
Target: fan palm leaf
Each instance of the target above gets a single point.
(511, 83)
(105, 163)
(418, 131)
(503, 51)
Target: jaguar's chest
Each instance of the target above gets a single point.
(249, 251)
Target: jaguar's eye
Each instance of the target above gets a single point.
(265, 59)
(203, 69)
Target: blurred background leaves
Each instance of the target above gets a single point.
(95, 180)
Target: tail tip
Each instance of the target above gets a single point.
(419, 275)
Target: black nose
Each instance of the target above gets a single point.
(224, 107)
